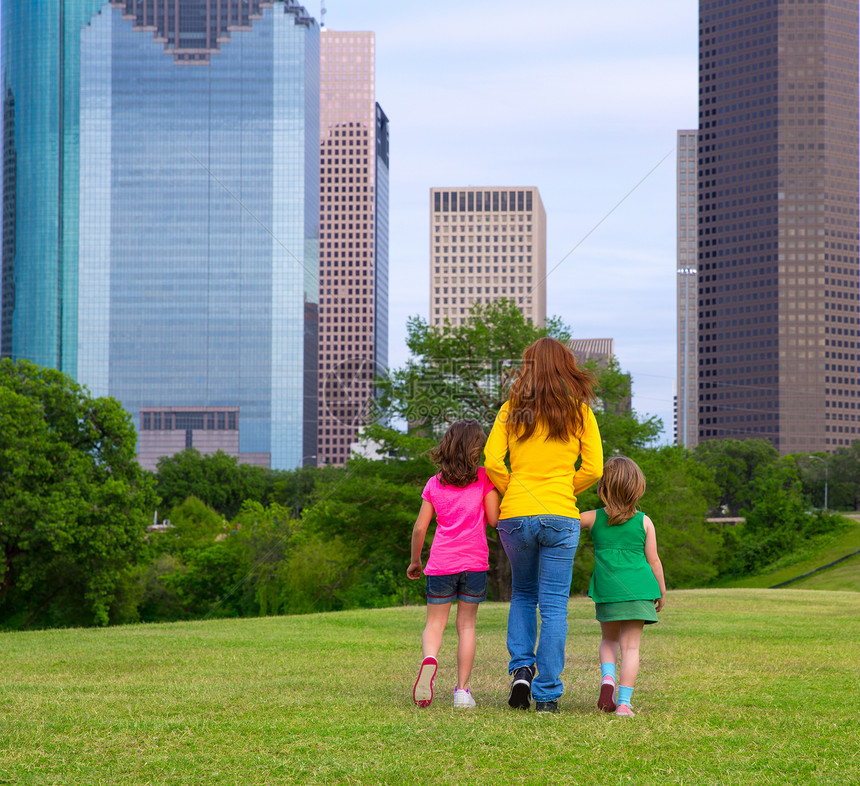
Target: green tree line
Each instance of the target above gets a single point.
(76, 509)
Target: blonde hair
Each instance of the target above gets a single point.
(620, 488)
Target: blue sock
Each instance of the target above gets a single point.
(607, 668)
(624, 695)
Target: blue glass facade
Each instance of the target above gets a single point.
(180, 265)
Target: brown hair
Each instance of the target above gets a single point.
(458, 454)
(620, 488)
(550, 388)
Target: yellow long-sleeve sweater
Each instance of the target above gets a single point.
(543, 480)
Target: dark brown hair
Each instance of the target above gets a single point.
(620, 488)
(551, 389)
(458, 454)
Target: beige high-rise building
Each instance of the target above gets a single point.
(353, 312)
(486, 243)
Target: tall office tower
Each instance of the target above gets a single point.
(486, 244)
(353, 164)
(161, 214)
(778, 222)
(687, 387)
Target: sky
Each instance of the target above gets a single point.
(582, 99)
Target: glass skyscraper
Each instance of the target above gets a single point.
(161, 214)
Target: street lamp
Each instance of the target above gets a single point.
(824, 461)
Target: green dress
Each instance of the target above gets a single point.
(623, 586)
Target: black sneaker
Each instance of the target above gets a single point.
(546, 706)
(521, 688)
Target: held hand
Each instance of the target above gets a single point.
(414, 570)
(659, 603)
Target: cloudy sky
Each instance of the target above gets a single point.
(579, 98)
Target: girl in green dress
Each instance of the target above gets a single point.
(627, 587)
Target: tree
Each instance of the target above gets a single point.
(840, 471)
(844, 477)
(679, 494)
(74, 502)
(264, 540)
(217, 479)
(465, 371)
(368, 508)
(736, 465)
(193, 525)
(776, 519)
(621, 430)
(294, 488)
(316, 574)
(460, 371)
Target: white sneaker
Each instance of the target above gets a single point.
(463, 698)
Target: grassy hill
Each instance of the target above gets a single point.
(736, 687)
(816, 554)
(844, 576)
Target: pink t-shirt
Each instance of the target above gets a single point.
(460, 542)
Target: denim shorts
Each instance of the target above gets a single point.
(470, 586)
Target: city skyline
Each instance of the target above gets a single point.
(497, 94)
(573, 74)
(494, 94)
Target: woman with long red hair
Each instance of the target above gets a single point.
(544, 427)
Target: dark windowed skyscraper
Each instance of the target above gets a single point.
(778, 222)
(161, 214)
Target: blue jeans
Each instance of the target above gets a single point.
(541, 551)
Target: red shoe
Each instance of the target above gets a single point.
(605, 700)
(422, 693)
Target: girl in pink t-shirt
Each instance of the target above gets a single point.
(464, 501)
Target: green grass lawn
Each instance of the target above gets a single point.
(736, 687)
(814, 555)
(844, 576)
